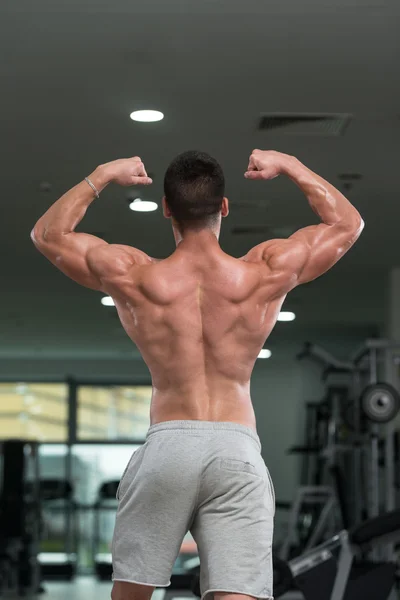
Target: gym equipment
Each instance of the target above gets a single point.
(56, 497)
(282, 577)
(364, 423)
(339, 569)
(106, 502)
(19, 518)
(327, 359)
(375, 474)
(313, 516)
(320, 507)
(380, 402)
(349, 452)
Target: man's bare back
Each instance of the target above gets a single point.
(200, 317)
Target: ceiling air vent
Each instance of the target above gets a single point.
(329, 124)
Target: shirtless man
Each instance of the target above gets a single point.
(199, 318)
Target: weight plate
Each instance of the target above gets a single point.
(380, 402)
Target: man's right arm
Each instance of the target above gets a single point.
(311, 251)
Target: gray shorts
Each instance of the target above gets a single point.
(206, 478)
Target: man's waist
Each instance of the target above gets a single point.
(206, 427)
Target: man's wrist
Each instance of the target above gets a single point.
(294, 169)
(289, 164)
(101, 177)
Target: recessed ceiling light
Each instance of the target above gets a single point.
(265, 353)
(147, 116)
(107, 301)
(286, 315)
(143, 205)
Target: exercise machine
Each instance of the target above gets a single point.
(340, 568)
(104, 508)
(320, 507)
(57, 502)
(19, 518)
(350, 446)
(378, 401)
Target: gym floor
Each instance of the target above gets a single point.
(87, 588)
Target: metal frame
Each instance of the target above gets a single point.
(346, 556)
(323, 495)
(380, 356)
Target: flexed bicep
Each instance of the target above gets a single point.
(311, 251)
(54, 233)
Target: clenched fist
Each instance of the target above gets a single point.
(127, 171)
(265, 164)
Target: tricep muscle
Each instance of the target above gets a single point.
(87, 259)
(309, 252)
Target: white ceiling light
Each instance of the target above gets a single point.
(286, 315)
(265, 353)
(143, 205)
(107, 301)
(147, 116)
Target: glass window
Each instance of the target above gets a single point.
(59, 526)
(53, 480)
(34, 411)
(113, 412)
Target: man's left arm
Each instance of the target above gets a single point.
(81, 256)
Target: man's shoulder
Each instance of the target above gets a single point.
(137, 256)
(262, 252)
(257, 253)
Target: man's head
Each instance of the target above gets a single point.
(194, 187)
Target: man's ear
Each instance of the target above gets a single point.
(225, 207)
(166, 210)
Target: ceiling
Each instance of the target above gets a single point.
(73, 71)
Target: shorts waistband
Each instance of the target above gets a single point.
(206, 426)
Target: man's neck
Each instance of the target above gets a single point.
(196, 239)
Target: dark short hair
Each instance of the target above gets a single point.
(194, 187)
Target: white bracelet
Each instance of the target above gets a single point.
(93, 187)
